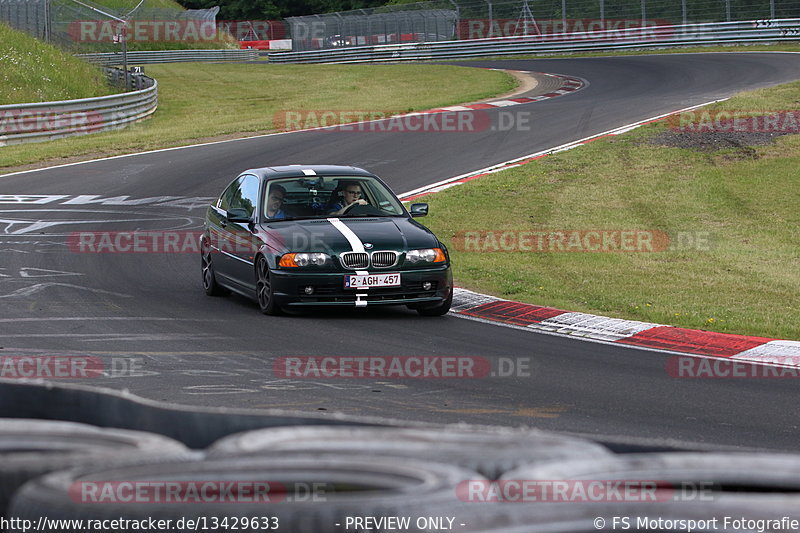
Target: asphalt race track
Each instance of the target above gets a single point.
(150, 309)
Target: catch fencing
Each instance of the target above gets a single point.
(447, 20)
(725, 33)
(30, 16)
(64, 22)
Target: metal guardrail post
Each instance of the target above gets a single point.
(491, 16)
(458, 18)
(125, 54)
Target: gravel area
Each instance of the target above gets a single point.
(711, 141)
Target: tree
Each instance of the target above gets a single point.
(272, 9)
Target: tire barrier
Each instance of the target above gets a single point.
(720, 473)
(195, 427)
(488, 452)
(304, 493)
(311, 473)
(654, 491)
(31, 448)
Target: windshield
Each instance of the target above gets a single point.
(328, 196)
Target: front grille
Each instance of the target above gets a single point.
(384, 259)
(355, 260)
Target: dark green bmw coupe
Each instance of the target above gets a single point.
(319, 236)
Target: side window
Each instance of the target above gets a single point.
(224, 202)
(247, 197)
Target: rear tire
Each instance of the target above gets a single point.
(210, 284)
(439, 310)
(265, 292)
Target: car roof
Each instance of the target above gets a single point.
(289, 171)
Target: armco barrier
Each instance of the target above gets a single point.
(147, 57)
(722, 33)
(45, 121)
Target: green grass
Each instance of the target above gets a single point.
(33, 71)
(200, 100)
(130, 4)
(745, 280)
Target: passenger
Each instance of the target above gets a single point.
(275, 202)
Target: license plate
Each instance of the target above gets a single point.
(371, 280)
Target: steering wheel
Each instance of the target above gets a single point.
(359, 209)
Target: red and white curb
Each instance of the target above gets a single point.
(524, 160)
(569, 84)
(658, 337)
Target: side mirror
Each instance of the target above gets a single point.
(419, 210)
(238, 215)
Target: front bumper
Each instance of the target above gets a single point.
(289, 289)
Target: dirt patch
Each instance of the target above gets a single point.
(711, 141)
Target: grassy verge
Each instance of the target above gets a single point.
(742, 203)
(33, 71)
(198, 101)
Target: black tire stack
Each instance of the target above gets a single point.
(318, 479)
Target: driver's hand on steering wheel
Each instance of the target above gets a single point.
(355, 203)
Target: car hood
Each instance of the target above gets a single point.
(322, 235)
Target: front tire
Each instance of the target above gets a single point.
(439, 310)
(210, 284)
(265, 292)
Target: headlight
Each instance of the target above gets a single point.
(426, 255)
(304, 260)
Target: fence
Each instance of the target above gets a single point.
(659, 36)
(71, 24)
(37, 122)
(373, 26)
(145, 57)
(30, 16)
(445, 20)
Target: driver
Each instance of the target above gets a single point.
(351, 195)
